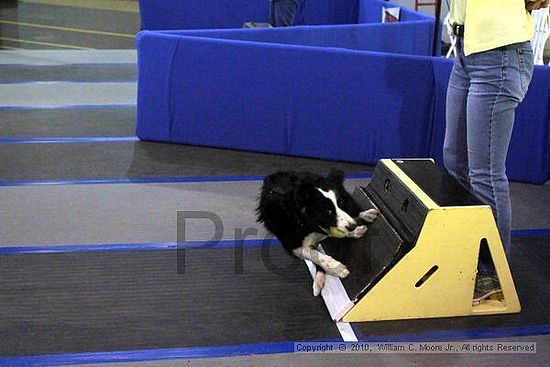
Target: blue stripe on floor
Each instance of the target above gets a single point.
(531, 232)
(255, 349)
(99, 65)
(153, 246)
(153, 180)
(87, 139)
(156, 246)
(68, 106)
(149, 355)
(450, 335)
(106, 80)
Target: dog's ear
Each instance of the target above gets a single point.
(336, 176)
(304, 196)
(305, 193)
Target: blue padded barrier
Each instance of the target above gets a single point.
(298, 100)
(218, 14)
(413, 38)
(208, 14)
(325, 12)
(370, 11)
(442, 70)
(529, 155)
(201, 14)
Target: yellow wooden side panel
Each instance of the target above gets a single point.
(450, 239)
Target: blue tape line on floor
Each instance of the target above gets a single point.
(450, 335)
(531, 232)
(99, 65)
(152, 180)
(254, 349)
(133, 180)
(99, 139)
(68, 106)
(136, 246)
(151, 246)
(149, 355)
(89, 81)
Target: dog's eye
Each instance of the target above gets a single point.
(329, 212)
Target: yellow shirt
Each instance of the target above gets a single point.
(490, 24)
(458, 11)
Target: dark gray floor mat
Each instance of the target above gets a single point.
(108, 301)
(73, 161)
(71, 73)
(67, 122)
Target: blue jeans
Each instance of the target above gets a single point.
(484, 90)
(283, 12)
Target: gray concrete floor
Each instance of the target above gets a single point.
(68, 24)
(136, 213)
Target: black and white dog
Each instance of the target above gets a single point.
(301, 209)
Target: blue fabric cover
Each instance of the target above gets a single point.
(412, 38)
(208, 14)
(370, 11)
(529, 155)
(308, 101)
(200, 14)
(324, 12)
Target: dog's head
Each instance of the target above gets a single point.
(327, 204)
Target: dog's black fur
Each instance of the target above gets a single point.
(291, 207)
(294, 209)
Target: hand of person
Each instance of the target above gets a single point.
(536, 4)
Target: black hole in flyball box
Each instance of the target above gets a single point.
(426, 276)
(387, 185)
(405, 206)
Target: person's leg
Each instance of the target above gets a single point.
(455, 153)
(499, 80)
(283, 12)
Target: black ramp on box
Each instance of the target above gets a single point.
(443, 189)
(368, 258)
(132, 300)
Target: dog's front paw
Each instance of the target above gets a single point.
(335, 267)
(369, 215)
(344, 272)
(318, 283)
(340, 271)
(358, 232)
